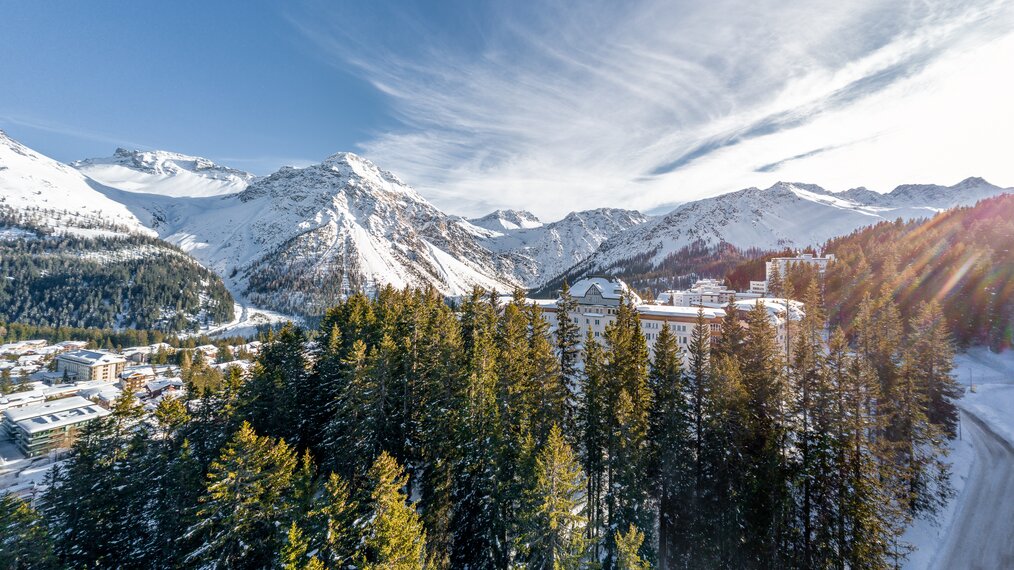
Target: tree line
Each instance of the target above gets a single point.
(120, 281)
(962, 259)
(407, 434)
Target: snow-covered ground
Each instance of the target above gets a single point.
(976, 530)
(246, 322)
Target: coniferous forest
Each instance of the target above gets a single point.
(404, 433)
(116, 281)
(962, 258)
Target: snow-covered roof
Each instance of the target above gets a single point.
(609, 289)
(159, 385)
(55, 413)
(774, 306)
(92, 357)
(671, 311)
(50, 407)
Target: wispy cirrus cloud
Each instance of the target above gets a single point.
(639, 104)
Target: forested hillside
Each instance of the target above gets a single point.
(679, 270)
(962, 259)
(410, 435)
(113, 280)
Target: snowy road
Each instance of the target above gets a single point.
(982, 532)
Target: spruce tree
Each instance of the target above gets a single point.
(333, 525)
(568, 341)
(293, 555)
(593, 430)
(766, 493)
(393, 534)
(554, 535)
(628, 402)
(25, 543)
(628, 546)
(245, 496)
(932, 363)
(478, 532)
(669, 433)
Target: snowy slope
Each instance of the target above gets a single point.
(297, 239)
(542, 252)
(56, 196)
(506, 221)
(165, 173)
(784, 215)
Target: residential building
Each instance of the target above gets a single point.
(134, 378)
(708, 292)
(40, 428)
(785, 263)
(81, 365)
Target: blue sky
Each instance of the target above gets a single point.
(550, 106)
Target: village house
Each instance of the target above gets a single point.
(134, 378)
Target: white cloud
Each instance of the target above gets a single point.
(637, 105)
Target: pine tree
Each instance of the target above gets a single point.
(628, 546)
(293, 555)
(766, 497)
(593, 430)
(555, 531)
(568, 340)
(932, 363)
(333, 527)
(245, 495)
(25, 543)
(393, 535)
(669, 432)
(629, 401)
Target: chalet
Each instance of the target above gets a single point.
(134, 378)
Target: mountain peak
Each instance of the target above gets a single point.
(164, 172)
(973, 182)
(507, 220)
(162, 162)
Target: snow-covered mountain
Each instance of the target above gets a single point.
(784, 215)
(297, 239)
(55, 196)
(164, 173)
(542, 252)
(505, 221)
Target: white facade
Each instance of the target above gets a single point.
(784, 263)
(84, 365)
(599, 299)
(704, 292)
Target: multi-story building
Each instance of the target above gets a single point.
(784, 263)
(82, 365)
(39, 428)
(598, 299)
(704, 292)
